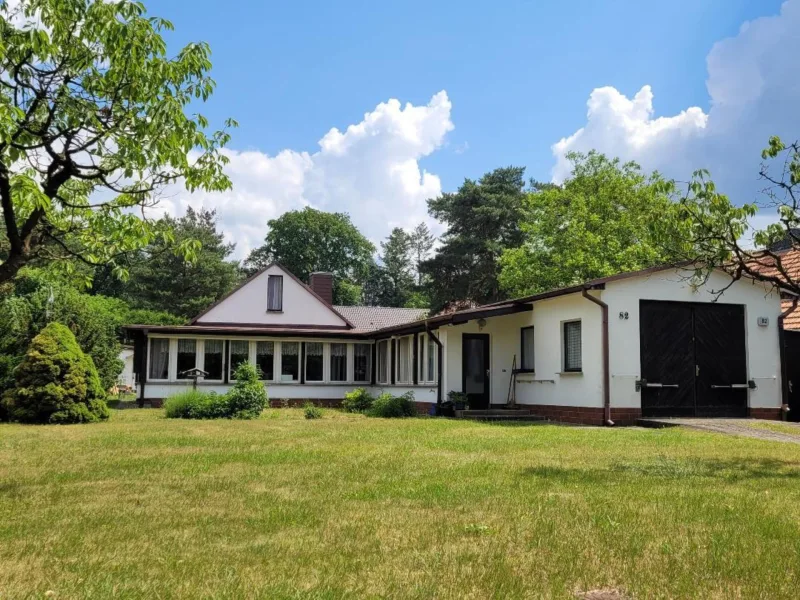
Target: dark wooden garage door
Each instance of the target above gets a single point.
(791, 340)
(694, 359)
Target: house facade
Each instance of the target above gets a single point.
(608, 351)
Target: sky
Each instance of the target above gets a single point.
(372, 108)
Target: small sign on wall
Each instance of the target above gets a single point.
(762, 321)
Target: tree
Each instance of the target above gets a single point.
(717, 234)
(92, 129)
(309, 240)
(601, 221)
(421, 243)
(483, 220)
(56, 382)
(161, 280)
(397, 264)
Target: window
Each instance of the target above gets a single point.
(275, 293)
(430, 358)
(265, 359)
(314, 361)
(526, 342)
(187, 357)
(404, 360)
(159, 359)
(427, 358)
(212, 359)
(239, 353)
(383, 361)
(338, 362)
(290, 361)
(362, 362)
(572, 346)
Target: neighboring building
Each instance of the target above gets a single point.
(126, 378)
(645, 343)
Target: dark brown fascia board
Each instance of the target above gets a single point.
(290, 274)
(247, 331)
(274, 326)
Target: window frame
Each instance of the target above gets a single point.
(522, 332)
(178, 370)
(305, 361)
(426, 374)
(346, 362)
(230, 366)
(300, 365)
(565, 367)
(150, 356)
(270, 279)
(368, 378)
(409, 358)
(268, 377)
(202, 343)
(387, 344)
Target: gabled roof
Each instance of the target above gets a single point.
(372, 318)
(255, 275)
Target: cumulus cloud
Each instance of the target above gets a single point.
(370, 170)
(754, 92)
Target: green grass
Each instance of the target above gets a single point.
(776, 427)
(348, 506)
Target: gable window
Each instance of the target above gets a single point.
(187, 357)
(572, 346)
(275, 293)
(265, 359)
(383, 361)
(290, 361)
(159, 359)
(338, 362)
(526, 342)
(404, 359)
(362, 362)
(239, 353)
(212, 359)
(314, 361)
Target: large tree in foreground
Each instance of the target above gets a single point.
(309, 240)
(93, 127)
(601, 221)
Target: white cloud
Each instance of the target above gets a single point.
(754, 92)
(370, 170)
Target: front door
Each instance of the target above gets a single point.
(475, 369)
(694, 359)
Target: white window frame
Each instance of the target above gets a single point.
(323, 375)
(423, 355)
(410, 358)
(229, 363)
(172, 346)
(269, 377)
(352, 363)
(387, 343)
(279, 372)
(348, 375)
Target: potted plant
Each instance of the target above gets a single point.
(459, 399)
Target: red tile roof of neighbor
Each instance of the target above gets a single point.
(790, 263)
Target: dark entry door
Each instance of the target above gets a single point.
(791, 356)
(475, 369)
(693, 359)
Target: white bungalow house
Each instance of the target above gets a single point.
(606, 351)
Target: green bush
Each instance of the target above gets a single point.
(357, 401)
(312, 412)
(388, 406)
(196, 404)
(56, 382)
(248, 398)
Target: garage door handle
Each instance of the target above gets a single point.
(661, 385)
(732, 386)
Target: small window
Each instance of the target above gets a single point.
(212, 359)
(572, 346)
(383, 361)
(159, 359)
(275, 293)
(239, 353)
(338, 362)
(431, 359)
(265, 359)
(362, 362)
(187, 357)
(427, 358)
(314, 361)
(404, 360)
(526, 358)
(290, 361)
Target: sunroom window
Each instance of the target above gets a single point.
(314, 361)
(362, 362)
(290, 361)
(187, 357)
(212, 359)
(159, 359)
(338, 362)
(265, 359)
(240, 353)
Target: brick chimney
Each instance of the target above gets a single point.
(322, 285)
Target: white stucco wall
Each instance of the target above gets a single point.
(248, 304)
(763, 352)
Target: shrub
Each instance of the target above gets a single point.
(56, 382)
(388, 406)
(195, 404)
(248, 398)
(312, 412)
(357, 401)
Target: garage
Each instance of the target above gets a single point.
(693, 359)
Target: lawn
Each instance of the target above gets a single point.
(346, 506)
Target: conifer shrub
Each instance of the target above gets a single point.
(56, 382)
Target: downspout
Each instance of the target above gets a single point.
(782, 351)
(439, 361)
(606, 369)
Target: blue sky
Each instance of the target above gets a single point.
(517, 77)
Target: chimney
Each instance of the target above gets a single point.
(322, 285)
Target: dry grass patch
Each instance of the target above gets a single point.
(346, 506)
